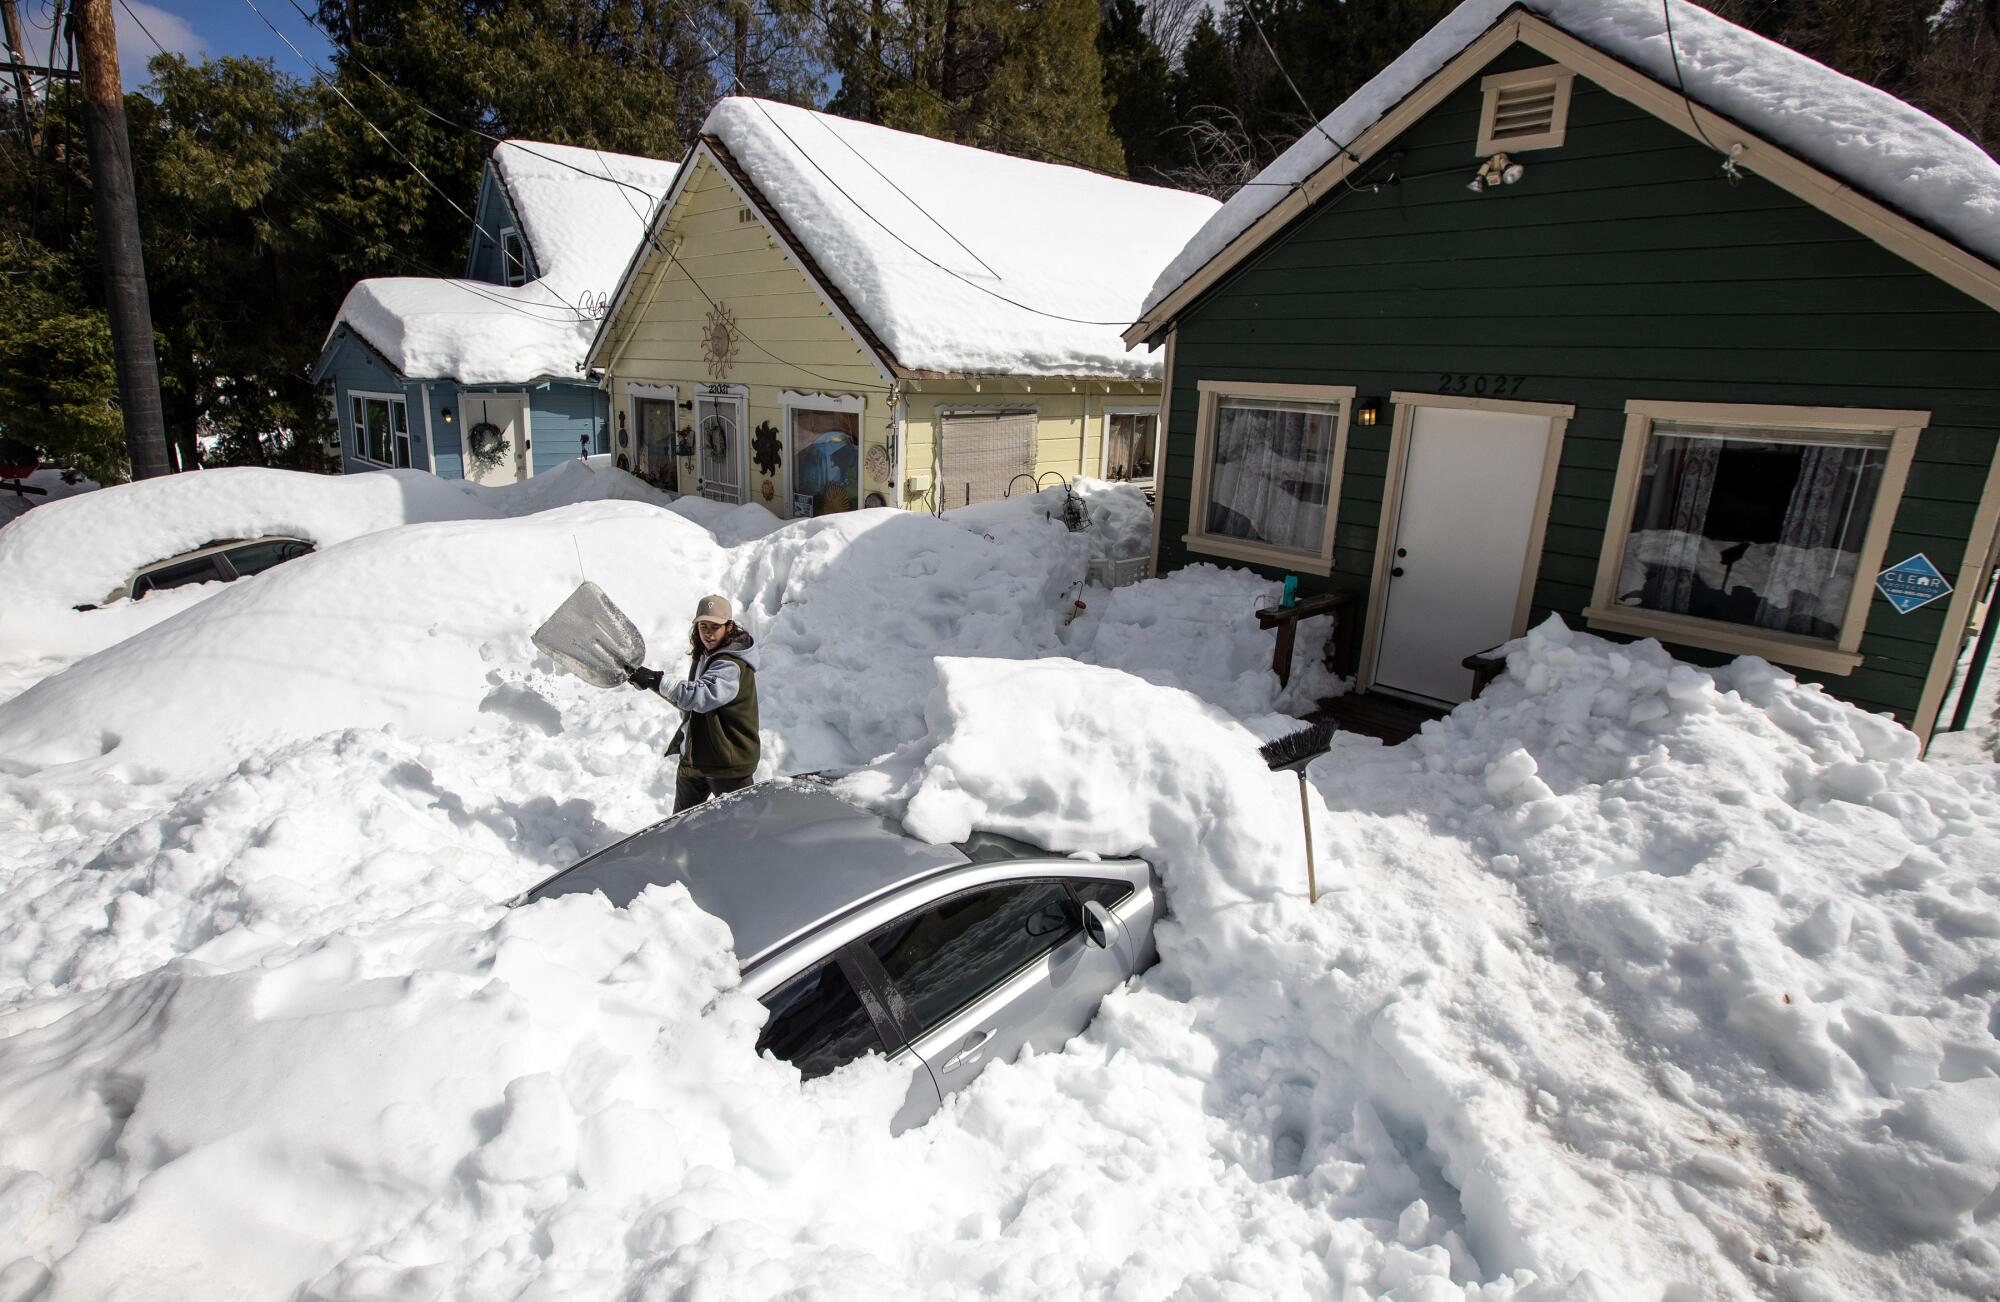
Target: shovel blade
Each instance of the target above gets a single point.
(592, 638)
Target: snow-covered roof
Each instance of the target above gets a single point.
(582, 212)
(958, 259)
(1863, 136)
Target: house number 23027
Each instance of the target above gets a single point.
(1495, 386)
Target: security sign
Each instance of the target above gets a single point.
(1912, 583)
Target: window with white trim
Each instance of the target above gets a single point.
(381, 426)
(513, 257)
(1268, 461)
(1131, 441)
(1740, 525)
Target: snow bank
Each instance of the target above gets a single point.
(1858, 134)
(79, 550)
(1627, 981)
(913, 231)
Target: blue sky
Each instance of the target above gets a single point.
(195, 28)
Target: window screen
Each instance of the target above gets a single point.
(817, 1022)
(979, 453)
(1751, 526)
(655, 419)
(951, 953)
(1270, 471)
(826, 461)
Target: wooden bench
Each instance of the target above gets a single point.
(1286, 620)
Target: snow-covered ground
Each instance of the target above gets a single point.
(1627, 981)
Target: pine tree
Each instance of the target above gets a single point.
(1137, 90)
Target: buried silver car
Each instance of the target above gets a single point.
(861, 939)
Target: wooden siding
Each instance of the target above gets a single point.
(1625, 265)
(489, 215)
(790, 339)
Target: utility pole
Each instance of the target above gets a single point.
(17, 56)
(117, 210)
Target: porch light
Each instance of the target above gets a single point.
(1496, 171)
(1367, 412)
(447, 415)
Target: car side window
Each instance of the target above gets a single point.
(817, 1022)
(1109, 894)
(203, 570)
(946, 955)
(256, 557)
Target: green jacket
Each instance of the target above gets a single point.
(719, 697)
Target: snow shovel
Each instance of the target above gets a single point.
(592, 638)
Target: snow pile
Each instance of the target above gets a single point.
(964, 260)
(582, 213)
(1866, 137)
(81, 550)
(1628, 980)
(1437, 1084)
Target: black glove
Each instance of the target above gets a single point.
(649, 679)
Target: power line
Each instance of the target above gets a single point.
(564, 312)
(1729, 155)
(999, 132)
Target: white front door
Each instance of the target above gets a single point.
(1471, 481)
(718, 446)
(496, 438)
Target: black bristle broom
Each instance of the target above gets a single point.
(1294, 751)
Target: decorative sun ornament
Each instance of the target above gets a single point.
(718, 340)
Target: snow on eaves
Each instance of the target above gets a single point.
(582, 213)
(1865, 137)
(963, 260)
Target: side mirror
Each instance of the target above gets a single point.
(1097, 925)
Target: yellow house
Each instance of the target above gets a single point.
(828, 314)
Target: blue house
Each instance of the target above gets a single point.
(483, 377)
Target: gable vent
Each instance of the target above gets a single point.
(744, 216)
(1524, 110)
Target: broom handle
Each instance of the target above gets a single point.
(1305, 815)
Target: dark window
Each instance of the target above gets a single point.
(204, 570)
(1752, 525)
(256, 557)
(948, 955)
(817, 1022)
(1109, 894)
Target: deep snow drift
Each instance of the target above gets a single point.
(1629, 981)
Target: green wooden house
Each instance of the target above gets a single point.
(1675, 336)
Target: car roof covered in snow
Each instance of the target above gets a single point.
(771, 861)
(1865, 137)
(582, 212)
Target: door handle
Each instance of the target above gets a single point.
(968, 1051)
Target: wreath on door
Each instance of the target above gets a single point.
(715, 439)
(486, 445)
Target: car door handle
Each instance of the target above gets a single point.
(968, 1051)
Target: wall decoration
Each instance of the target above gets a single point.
(874, 500)
(718, 340)
(766, 449)
(877, 463)
(770, 490)
(485, 445)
